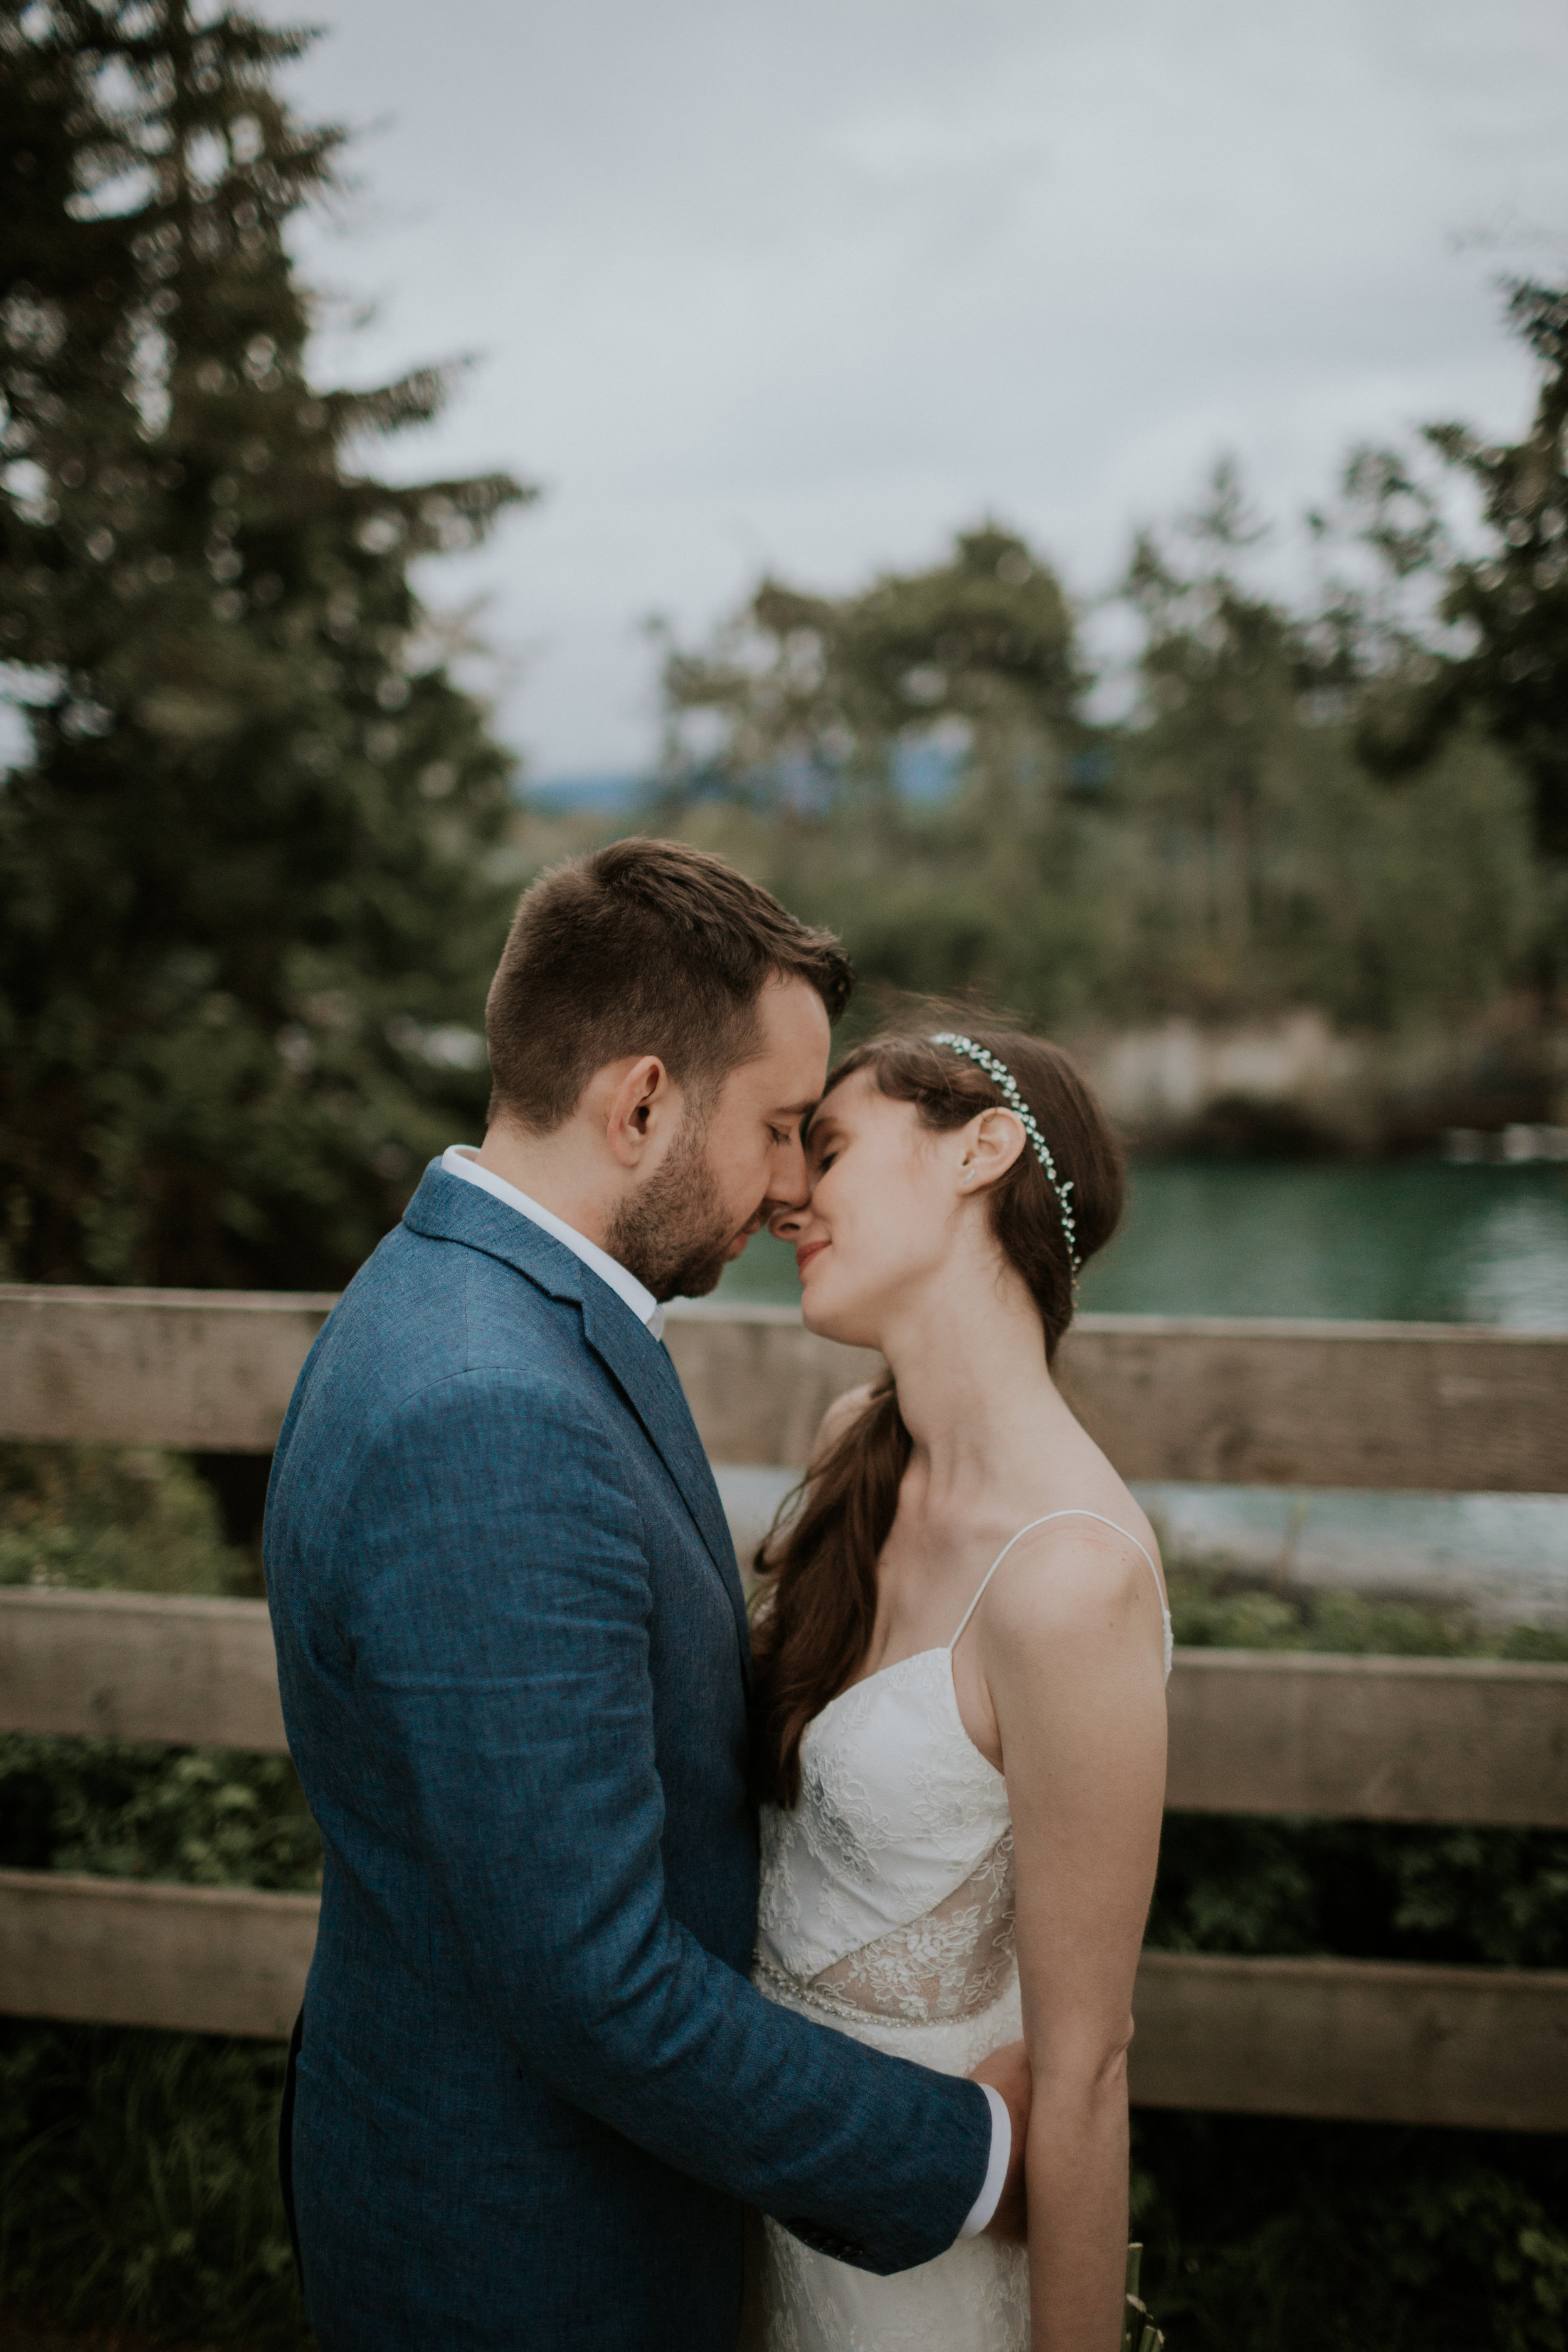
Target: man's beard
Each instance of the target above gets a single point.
(674, 1232)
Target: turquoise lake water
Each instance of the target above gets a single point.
(1415, 1242)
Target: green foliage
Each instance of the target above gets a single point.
(1369, 1890)
(1139, 2333)
(791, 737)
(1270, 2235)
(1277, 867)
(139, 2184)
(124, 1809)
(1274, 2236)
(1366, 1890)
(1228, 851)
(138, 2170)
(1451, 638)
(1214, 1606)
(245, 919)
(815, 694)
(1512, 601)
(113, 1517)
(1358, 805)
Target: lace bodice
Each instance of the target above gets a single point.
(888, 1886)
(888, 1889)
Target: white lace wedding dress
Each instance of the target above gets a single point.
(887, 1911)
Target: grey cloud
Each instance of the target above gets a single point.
(817, 284)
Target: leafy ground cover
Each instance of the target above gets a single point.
(137, 2178)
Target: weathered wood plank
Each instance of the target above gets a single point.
(1270, 1403)
(197, 1958)
(1364, 2041)
(131, 1666)
(1369, 1738)
(1448, 1408)
(1444, 1739)
(758, 1381)
(209, 1370)
(1367, 2041)
(1444, 1407)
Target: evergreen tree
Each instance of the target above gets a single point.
(1223, 850)
(245, 910)
(1273, 866)
(915, 769)
(1220, 678)
(1512, 601)
(1449, 634)
(816, 696)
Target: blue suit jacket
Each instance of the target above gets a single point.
(535, 2087)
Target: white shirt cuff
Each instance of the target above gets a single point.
(990, 2196)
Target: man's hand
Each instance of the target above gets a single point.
(1007, 2071)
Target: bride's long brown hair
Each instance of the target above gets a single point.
(815, 1625)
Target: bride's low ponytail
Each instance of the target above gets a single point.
(815, 1622)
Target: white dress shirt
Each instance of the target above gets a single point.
(460, 1159)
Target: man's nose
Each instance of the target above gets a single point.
(789, 1185)
(785, 1225)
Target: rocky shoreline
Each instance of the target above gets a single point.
(1296, 1087)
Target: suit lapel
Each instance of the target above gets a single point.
(643, 1372)
(447, 1209)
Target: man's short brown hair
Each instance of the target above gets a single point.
(646, 946)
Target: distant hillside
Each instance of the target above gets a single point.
(568, 796)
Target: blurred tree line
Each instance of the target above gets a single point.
(1359, 801)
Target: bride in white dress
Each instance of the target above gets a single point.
(962, 1650)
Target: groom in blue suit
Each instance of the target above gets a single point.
(532, 2089)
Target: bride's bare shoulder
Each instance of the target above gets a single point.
(1076, 1575)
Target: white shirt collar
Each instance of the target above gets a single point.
(459, 1160)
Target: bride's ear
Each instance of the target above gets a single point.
(992, 1142)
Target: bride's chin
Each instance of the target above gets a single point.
(818, 1316)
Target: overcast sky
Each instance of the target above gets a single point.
(811, 286)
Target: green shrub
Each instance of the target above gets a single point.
(1264, 2235)
(121, 1809)
(1215, 1605)
(138, 2170)
(1271, 2234)
(120, 1517)
(138, 2183)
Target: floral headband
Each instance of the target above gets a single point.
(1007, 1085)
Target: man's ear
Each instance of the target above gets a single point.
(642, 1098)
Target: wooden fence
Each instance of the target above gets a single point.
(1390, 1740)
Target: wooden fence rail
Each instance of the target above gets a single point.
(1392, 1739)
(1363, 2040)
(1252, 1731)
(1245, 1403)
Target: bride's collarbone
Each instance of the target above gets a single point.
(920, 1596)
(928, 1574)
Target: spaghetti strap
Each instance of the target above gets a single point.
(1072, 1513)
